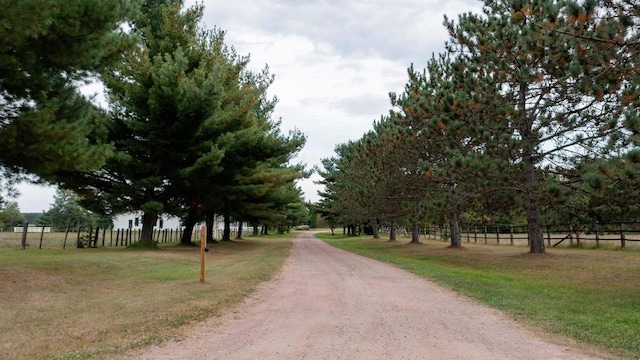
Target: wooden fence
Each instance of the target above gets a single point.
(81, 237)
(90, 237)
(554, 235)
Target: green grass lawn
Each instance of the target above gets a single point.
(92, 303)
(590, 295)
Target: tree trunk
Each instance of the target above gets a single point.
(415, 232)
(148, 222)
(239, 235)
(226, 233)
(534, 226)
(392, 233)
(374, 228)
(209, 218)
(534, 221)
(415, 227)
(255, 230)
(189, 224)
(454, 223)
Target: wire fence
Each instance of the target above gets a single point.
(89, 237)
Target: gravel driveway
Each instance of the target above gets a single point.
(331, 304)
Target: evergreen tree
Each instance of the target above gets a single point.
(558, 94)
(67, 211)
(10, 215)
(188, 123)
(48, 47)
(162, 95)
(610, 187)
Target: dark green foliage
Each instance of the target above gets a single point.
(10, 215)
(494, 128)
(190, 126)
(49, 47)
(558, 93)
(67, 211)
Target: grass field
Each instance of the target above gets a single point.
(91, 303)
(590, 295)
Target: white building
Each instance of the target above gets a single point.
(133, 220)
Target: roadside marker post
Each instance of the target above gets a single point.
(203, 249)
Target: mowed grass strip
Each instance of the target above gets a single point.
(590, 295)
(92, 303)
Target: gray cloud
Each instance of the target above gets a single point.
(408, 31)
(373, 104)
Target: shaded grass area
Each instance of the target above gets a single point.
(590, 295)
(92, 303)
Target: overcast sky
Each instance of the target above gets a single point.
(334, 61)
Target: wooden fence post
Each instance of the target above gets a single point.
(622, 238)
(571, 235)
(485, 234)
(511, 233)
(497, 235)
(597, 235)
(203, 249)
(41, 236)
(66, 233)
(475, 234)
(24, 235)
(548, 236)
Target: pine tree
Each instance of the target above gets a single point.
(188, 123)
(558, 95)
(166, 122)
(48, 47)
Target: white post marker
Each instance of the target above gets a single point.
(203, 246)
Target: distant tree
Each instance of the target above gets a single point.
(340, 203)
(260, 196)
(313, 215)
(10, 215)
(67, 211)
(257, 166)
(48, 48)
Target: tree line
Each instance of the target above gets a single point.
(187, 130)
(530, 114)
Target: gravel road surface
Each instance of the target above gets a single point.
(331, 304)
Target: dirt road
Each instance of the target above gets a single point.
(331, 304)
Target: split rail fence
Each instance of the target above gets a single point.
(622, 233)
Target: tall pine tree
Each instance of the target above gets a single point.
(48, 48)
